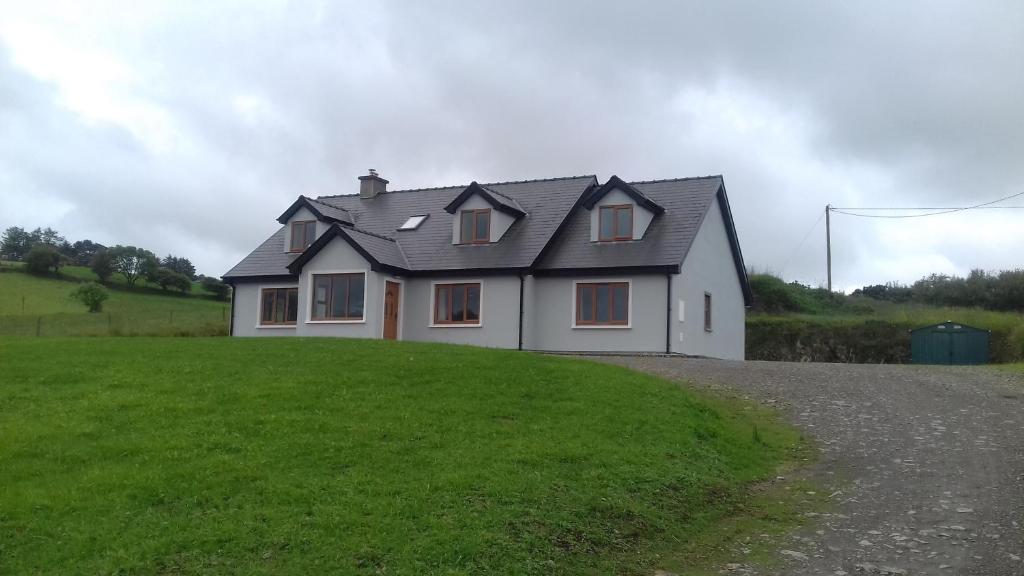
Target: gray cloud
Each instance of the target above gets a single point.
(797, 104)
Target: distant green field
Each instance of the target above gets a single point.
(339, 456)
(31, 305)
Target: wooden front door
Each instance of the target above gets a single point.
(391, 292)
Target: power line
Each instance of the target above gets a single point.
(984, 205)
(801, 244)
(937, 208)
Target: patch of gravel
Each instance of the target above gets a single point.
(925, 465)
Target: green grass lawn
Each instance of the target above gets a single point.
(323, 456)
(31, 303)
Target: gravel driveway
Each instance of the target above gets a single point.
(928, 462)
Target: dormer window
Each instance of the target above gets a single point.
(303, 234)
(616, 223)
(475, 226)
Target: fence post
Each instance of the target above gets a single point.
(39, 324)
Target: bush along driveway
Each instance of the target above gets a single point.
(924, 465)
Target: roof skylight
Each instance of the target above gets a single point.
(413, 222)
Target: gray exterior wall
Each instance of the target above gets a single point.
(709, 268)
(336, 257)
(552, 316)
(499, 312)
(641, 216)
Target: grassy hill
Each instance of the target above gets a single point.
(323, 456)
(797, 323)
(31, 304)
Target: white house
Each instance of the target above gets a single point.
(563, 264)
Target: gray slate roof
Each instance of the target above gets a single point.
(547, 204)
(268, 259)
(429, 247)
(666, 241)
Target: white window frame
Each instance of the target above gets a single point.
(309, 296)
(629, 305)
(259, 308)
(433, 297)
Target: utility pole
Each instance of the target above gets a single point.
(828, 243)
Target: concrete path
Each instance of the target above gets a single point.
(928, 462)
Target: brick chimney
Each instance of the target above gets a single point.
(371, 185)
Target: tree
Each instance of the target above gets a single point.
(214, 286)
(82, 252)
(43, 258)
(102, 265)
(180, 265)
(132, 262)
(48, 236)
(15, 244)
(92, 295)
(168, 279)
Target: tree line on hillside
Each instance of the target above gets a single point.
(1001, 291)
(45, 251)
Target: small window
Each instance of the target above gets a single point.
(279, 306)
(413, 222)
(616, 223)
(475, 226)
(338, 296)
(707, 312)
(303, 234)
(457, 304)
(602, 304)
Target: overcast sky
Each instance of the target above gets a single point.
(188, 127)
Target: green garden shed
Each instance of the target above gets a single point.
(949, 343)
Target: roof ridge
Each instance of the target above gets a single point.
(464, 185)
(708, 177)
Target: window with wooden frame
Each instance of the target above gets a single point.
(707, 312)
(279, 306)
(475, 226)
(457, 303)
(303, 234)
(615, 223)
(602, 304)
(338, 297)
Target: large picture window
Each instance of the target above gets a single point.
(338, 296)
(475, 226)
(616, 223)
(303, 234)
(279, 306)
(457, 304)
(602, 304)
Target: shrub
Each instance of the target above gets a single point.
(92, 295)
(214, 286)
(43, 258)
